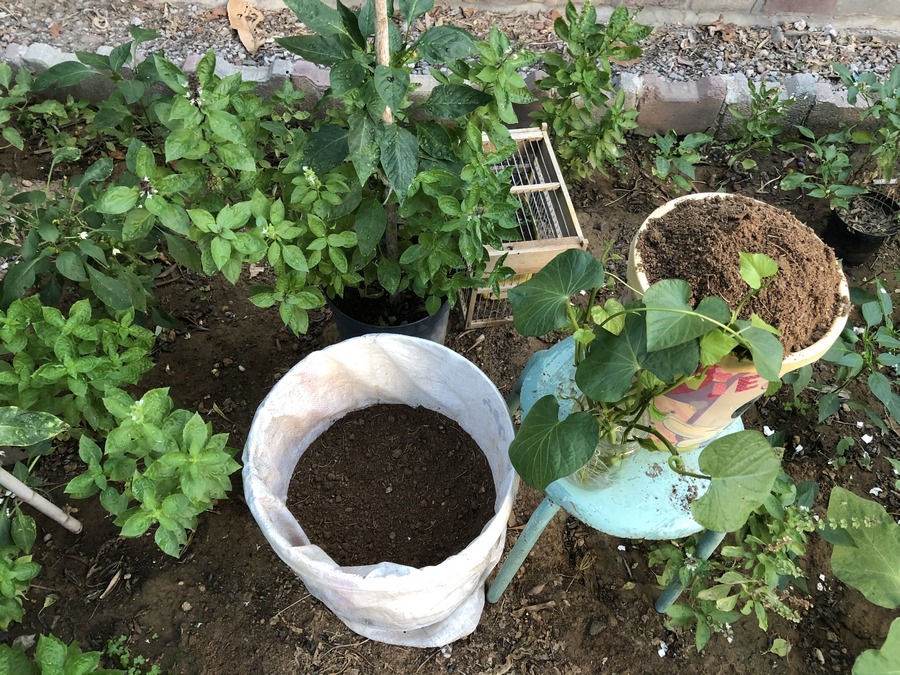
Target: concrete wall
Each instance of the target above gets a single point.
(882, 16)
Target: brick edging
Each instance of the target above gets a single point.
(683, 106)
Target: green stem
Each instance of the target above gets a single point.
(677, 465)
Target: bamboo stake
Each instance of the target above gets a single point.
(383, 48)
(383, 58)
(29, 496)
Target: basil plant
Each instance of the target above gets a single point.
(628, 354)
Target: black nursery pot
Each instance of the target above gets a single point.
(852, 246)
(432, 328)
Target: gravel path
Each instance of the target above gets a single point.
(678, 52)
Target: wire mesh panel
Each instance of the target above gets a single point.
(547, 223)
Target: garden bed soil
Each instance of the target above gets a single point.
(392, 483)
(581, 604)
(700, 241)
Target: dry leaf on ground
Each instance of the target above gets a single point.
(244, 18)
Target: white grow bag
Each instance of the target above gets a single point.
(397, 604)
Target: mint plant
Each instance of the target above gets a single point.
(832, 176)
(627, 355)
(676, 160)
(758, 129)
(752, 572)
(65, 365)
(586, 112)
(871, 352)
(159, 467)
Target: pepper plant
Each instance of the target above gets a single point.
(398, 195)
(588, 115)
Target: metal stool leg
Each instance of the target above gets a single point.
(709, 542)
(526, 541)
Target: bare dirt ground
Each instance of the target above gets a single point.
(582, 603)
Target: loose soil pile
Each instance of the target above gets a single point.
(700, 241)
(392, 483)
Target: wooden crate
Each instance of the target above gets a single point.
(547, 224)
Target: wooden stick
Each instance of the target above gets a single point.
(383, 47)
(29, 496)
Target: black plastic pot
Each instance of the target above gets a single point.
(432, 328)
(852, 246)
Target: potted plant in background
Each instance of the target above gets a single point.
(864, 210)
(860, 229)
(388, 199)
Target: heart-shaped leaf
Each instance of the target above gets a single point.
(743, 467)
(546, 449)
(608, 371)
(872, 564)
(539, 305)
(672, 321)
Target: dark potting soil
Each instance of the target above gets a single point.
(876, 215)
(687, 243)
(392, 483)
(378, 310)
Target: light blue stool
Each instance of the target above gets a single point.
(646, 501)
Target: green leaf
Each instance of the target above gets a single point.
(116, 200)
(226, 125)
(608, 371)
(755, 267)
(346, 76)
(111, 292)
(51, 654)
(546, 449)
(137, 523)
(12, 136)
(872, 564)
(884, 661)
(70, 266)
(540, 304)
(63, 74)
(881, 387)
(237, 157)
(413, 9)
(24, 531)
(670, 319)
(98, 171)
(21, 428)
(183, 251)
(392, 84)
(187, 143)
(318, 16)
(743, 467)
(399, 157)
(766, 350)
(444, 44)
(362, 144)
(326, 148)
(138, 223)
(319, 49)
(452, 101)
(220, 250)
(371, 221)
(170, 74)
